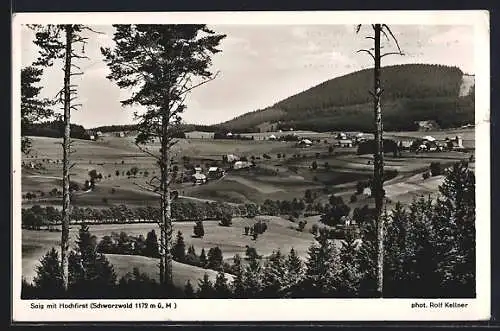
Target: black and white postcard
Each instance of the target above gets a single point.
(251, 166)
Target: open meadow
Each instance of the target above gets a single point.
(283, 171)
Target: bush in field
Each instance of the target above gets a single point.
(198, 229)
(226, 219)
(117, 173)
(314, 165)
(260, 227)
(251, 253)
(353, 198)
(314, 229)
(426, 175)
(360, 186)
(93, 174)
(436, 168)
(302, 225)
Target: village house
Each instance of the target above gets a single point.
(345, 143)
(230, 158)
(455, 143)
(341, 135)
(199, 178)
(215, 173)
(305, 143)
(242, 165)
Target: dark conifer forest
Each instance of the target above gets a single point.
(412, 92)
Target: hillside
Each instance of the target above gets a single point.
(412, 92)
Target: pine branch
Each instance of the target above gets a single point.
(391, 53)
(392, 35)
(367, 51)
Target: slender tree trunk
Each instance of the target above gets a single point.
(378, 164)
(166, 212)
(66, 212)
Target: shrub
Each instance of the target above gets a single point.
(302, 225)
(314, 165)
(314, 229)
(360, 186)
(436, 169)
(226, 219)
(198, 229)
(354, 198)
(251, 253)
(425, 175)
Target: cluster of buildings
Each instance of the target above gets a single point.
(198, 177)
(431, 144)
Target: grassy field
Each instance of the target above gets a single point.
(231, 240)
(274, 178)
(277, 178)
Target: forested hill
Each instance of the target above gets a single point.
(412, 92)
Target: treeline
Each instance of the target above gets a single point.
(430, 254)
(115, 128)
(53, 129)
(37, 216)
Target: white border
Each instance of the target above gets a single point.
(277, 310)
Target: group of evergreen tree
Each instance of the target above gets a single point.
(121, 243)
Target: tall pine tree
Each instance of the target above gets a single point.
(59, 42)
(91, 274)
(273, 276)
(161, 63)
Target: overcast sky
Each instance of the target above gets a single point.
(259, 65)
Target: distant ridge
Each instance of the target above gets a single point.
(412, 92)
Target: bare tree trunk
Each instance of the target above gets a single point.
(166, 212)
(66, 213)
(378, 163)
